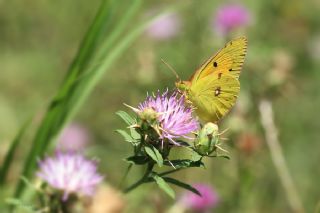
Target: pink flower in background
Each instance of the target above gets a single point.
(204, 203)
(70, 173)
(73, 138)
(164, 27)
(230, 17)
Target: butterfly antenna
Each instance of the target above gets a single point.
(171, 68)
(224, 131)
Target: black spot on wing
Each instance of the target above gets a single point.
(215, 64)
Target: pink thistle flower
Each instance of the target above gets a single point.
(73, 138)
(174, 117)
(165, 27)
(230, 17)
(70, 173)
(204, 203)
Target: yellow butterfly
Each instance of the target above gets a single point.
(214, 87)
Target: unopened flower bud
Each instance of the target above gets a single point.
(148, 118)
(149, 114)
(207, 138)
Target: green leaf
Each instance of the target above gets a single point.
(30, 185)
(138, 160)
(163, 185)
(126, 136)
(184, 163)
(183, 143)
(20, 205)
(220, 156)
(155, 155)
(178, 153)
(181, 184)
(195, 156)
(126, 117)
(135, 134)
(159, 157)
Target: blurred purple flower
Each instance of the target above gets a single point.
(174, 117)
(230, 17)
(164, 27)
(73, 138)
(71, 173)
(204, 203)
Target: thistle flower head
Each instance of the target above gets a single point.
(173, 116)
(230, 17)
(70, 173)
(208, 199)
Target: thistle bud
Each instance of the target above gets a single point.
(207, 138)
(148, 119)
(149, 114)
(148, 124)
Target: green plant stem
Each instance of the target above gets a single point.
(142, 180)
(125, 175)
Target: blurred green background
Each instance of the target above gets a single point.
(38, 40)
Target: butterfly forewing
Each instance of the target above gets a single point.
(228, 60)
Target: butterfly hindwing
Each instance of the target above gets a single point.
(214, 95)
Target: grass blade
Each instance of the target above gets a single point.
(55, 116)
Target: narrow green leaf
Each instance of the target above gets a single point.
(150, 152)
(138, 160)
(155, 155)
(195, 156)
(89, 42)
(159, 157)
(181, 184)
(183, 143)
(185, 163)
(220, 156)
(10, 154)
(163, 185)
(178, 153)
(29, 184)
(126, 136)
(20, 205)
(135, 134)
(126, 117)
(121, 27)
